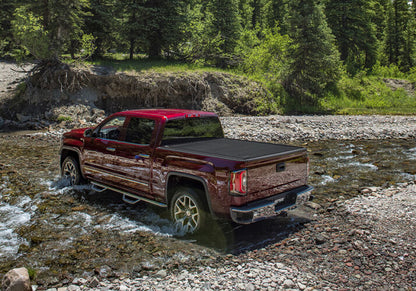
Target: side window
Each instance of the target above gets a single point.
(140, 130)
(112, 128)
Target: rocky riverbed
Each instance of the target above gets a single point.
(362, 243)
(366, 243)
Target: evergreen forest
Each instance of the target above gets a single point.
(335, 56)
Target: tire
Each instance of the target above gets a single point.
(70, 170)
(187, 211)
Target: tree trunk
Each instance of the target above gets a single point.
(155, 48)
(131, 49)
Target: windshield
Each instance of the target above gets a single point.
(191, 129)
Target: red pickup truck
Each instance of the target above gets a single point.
(179, 159)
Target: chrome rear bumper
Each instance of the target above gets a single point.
(270, 206)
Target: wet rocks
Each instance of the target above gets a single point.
(16, 280)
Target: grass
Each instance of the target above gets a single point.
(369, 95)
(122, 63)
(360, 95)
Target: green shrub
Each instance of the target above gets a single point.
(62, 118)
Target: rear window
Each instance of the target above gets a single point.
(191, 129)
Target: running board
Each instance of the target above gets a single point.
(135, 198)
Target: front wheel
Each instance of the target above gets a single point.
(187, 211)
(70, 171)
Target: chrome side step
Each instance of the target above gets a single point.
(97, 188)
(135, 198)
(130, 201)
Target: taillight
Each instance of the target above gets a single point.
(238, 183)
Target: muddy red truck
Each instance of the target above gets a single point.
(180, 160)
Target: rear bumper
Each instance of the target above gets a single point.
(270, 206)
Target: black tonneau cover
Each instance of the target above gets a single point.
(233, 149)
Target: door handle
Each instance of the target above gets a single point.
(111, 149)
(142, 156)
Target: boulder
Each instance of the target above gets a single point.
(16, 280)
(22, 118)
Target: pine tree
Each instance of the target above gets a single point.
(152, 25)
(131, 28)
(224, 26)
(164, 20)
(314, 58)
(399, 34)
(245, 10)
(379, 9)
(7, 8)
(408, 57)
(63, 20)
(354, 31)
(275, 13)
(101, 23)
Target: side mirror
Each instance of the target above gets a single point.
(88, 132)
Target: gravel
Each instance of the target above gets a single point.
(279, 128)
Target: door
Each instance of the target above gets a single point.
(100, 151)
(135, 154)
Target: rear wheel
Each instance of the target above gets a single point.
(187, 211)
(70, 171)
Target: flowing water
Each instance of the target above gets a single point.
(59, 231)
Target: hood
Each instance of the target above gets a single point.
(75, 133)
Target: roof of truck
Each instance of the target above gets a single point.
(168, 113)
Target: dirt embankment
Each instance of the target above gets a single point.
(84, 95)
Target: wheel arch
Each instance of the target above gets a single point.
(177, 179)
(73, 152)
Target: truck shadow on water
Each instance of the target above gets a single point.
(235, 239)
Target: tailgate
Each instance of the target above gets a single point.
(273, 176)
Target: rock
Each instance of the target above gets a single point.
(94, 282)
(161, 274)
(288, 283)
(320, 239)
(104, 271)
(79, 281)
(301, 286)
(1, 122)
(366, 191)
(22, 118)
(313, 205)
(16, 280)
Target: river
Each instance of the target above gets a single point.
(61, 232)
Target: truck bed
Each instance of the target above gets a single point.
(233, 149)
